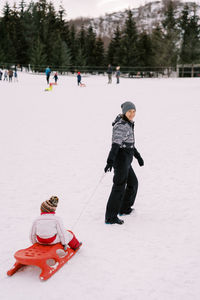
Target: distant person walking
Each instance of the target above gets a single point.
(1, 73)
(55, 77)
(15, 76)
(118, 74)
(5, 75)
(109, 72)
(79, 78)
(48, 72)
(10, 75)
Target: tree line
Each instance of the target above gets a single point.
(36, 33)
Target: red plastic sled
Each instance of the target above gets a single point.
(37, 255)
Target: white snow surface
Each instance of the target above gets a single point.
(56, 143)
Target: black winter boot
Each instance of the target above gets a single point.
(115, 220)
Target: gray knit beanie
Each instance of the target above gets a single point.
(126, 106)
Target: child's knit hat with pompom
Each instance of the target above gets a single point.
(49, 205)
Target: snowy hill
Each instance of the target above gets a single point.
(146, 17)
(56, 143)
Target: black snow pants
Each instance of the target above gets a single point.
(48, 75)
(125, 185)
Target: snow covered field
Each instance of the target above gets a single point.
(56, 143)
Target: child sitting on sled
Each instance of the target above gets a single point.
(48, 229)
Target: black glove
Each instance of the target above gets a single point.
(138, 157)
(140, 161)
(111, 157)
(108, 168)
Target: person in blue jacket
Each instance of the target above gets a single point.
(47, 72)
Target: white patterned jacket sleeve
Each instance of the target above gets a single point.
(119, 133)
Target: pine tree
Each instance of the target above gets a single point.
(63, 26)
(80, 58)
(8, 35)
(38, 56)
(26, 33)
(65, 33)
(194, 53)
(190, 46)
(158, 46)
(2, 57)
(171, 36)
(185, 32)
(99, 52)
(52, 35)
(114, 54)
(22, 7)
(62, 13)
(110, 53)
(81, 47)
(81, 40)
(91, 47)
(65, 57)
(145, 51)
(129, 42)
(21, 44)
(73, 43)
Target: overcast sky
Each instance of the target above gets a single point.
(92, 8)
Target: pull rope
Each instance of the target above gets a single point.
(89, 199)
